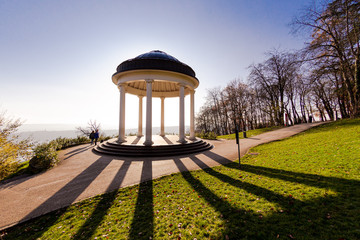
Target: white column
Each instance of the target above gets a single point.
(162, 127)
(192, 114)
(182, 116)
(121, 137)
(140, 116)
(148, 134)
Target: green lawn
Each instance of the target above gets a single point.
(249, 133)
(22, 169)
(304, 187)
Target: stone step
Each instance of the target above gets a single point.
(141, 147)
(112, 148)
(149, 150)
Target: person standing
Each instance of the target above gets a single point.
(96, 136)
(92, 136)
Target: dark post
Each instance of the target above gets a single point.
(244, 128)
(238, 142)
(237, 135)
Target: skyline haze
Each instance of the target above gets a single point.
(58, 56)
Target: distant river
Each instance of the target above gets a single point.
(44, 135)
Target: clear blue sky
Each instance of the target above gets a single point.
(57, 57)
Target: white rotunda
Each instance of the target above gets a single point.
(155, 74)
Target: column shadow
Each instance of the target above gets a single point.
(312, 218)
(142, 225)
(77, 151)
(251, 188)
(9, 183)
(102, 208)
(136, 141)
(66, 196)
(217, 203)
(314, 180)
(167, 140)
(217, 158)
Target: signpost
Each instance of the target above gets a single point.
(238, 143)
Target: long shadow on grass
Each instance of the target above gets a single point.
(216, 157)
(142, 225)
(322, 217)
(216, 202)
(340, 185)
(63, 198)
(107, 199)
(286, 202)
(314, 180)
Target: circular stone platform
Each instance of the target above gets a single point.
(163, 146)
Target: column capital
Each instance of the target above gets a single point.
(149, 80)
(181, 85)
(122, 85)
(192, 90)
(140, 96)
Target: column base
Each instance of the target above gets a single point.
(192, 138)
(182, 141)
(148, 143)
(162, 135)
(121, 141)
(139, 135)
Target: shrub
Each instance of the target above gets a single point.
(206, 135)
(45, 157)
(62, 143)
(104, 138)
(12, 150)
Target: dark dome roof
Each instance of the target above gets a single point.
(155, 60)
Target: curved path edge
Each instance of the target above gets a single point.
(83, 174)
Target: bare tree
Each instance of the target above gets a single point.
(335, 35)
(271, 78)
(92, 126)
(327, 76)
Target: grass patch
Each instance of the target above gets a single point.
(249, 133)
(23, 168)
(304, 187)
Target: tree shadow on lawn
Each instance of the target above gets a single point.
(327, 217)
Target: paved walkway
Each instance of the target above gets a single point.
(83, 174)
